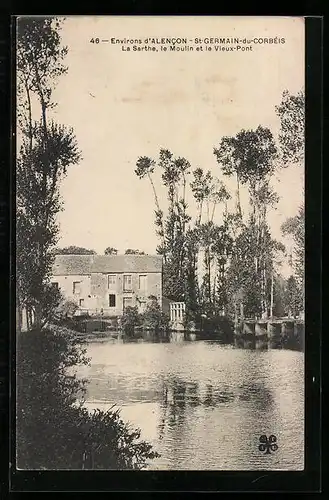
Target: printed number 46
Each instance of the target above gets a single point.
(94, 40)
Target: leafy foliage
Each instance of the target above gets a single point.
(291, 112)
(130, 319)
(192, 292)
(65, 309)
(145, 167)
(53, 430)
(110, 251)
(40, 58)
(73, 250)
(293, 297)
(46, 151)
(295, 226)
(172, 228)
(250, 154)
(153, 318)
(38, 176)
(131, 251)
(240, 258)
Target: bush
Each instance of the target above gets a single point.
(65, 309)
(130, 319)
(153, 318)
(53, 431)
(64, 315)
(218, 326)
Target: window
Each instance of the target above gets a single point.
(127, 282)
(81, 302)
(111, 300)
(76, 287)
(127, 302)
(55, 285)
(112, 279)
(142, 282)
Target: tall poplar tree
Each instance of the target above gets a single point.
(291, 112)
(251, 156)
(46, 151)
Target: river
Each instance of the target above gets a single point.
(203, 405)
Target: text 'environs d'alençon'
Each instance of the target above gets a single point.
(208, 40)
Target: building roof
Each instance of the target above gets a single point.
(65, 265)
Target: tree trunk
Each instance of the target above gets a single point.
(214, 288)
(29, 109)
(184, 209)
(238, 204)
(42, 100)
(19, 319)
(209, 274)
(236, 318)
(213, 212)
(38, 316)
(200, 213)
(19, 313)
(46, 170)
(28, 318)
(272, 295)
(263, 293)
(241, 310)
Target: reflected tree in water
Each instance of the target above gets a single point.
(257, 393)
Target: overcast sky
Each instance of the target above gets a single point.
(126, 104)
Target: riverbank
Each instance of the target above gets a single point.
(242, 339)
(53, 431)
(261, 333)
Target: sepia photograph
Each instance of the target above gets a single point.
(160, 318)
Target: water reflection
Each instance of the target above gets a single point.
(204, 405)
(240, 342)
(180, 397)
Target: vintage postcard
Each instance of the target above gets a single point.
(160, 243)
